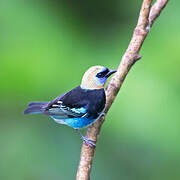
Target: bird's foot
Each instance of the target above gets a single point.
(103, 114)
(89, 141)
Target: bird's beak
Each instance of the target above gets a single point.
(110, 72)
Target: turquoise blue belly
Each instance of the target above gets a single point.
(75, 122)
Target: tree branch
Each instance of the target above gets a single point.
(146, 19)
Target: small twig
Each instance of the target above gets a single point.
(156, 10)
(146, 18)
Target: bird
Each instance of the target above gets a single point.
(81, 106)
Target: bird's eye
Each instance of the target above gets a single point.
(100, 75)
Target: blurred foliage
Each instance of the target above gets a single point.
(45, 47)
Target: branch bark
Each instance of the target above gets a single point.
(146, 19)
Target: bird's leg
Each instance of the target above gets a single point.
(102, 114)
(88, 141)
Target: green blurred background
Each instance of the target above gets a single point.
(45, 47)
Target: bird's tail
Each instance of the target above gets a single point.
(35, 108)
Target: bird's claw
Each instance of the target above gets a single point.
(89, 141)
(103, 114)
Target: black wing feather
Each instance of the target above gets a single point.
(66, 104)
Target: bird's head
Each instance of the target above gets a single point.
(95, 77)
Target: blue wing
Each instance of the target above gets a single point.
(63, 111)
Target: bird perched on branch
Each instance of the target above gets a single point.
(79, 107)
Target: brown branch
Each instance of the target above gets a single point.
(146, 18)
